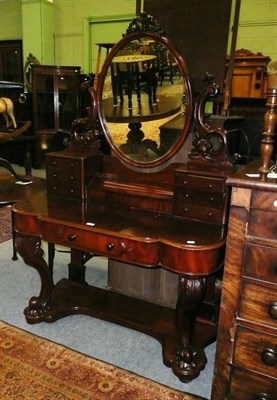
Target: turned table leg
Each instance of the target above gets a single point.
(189, 360)
(29, 248)
(77, 269)
(270, 123)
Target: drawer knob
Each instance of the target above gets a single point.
(72, 237)
(262, 396)
(269, 357)
(275, 203)
(109, 246)
(272, 310)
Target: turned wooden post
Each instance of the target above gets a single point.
(270, 119)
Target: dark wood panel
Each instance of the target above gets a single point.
(199, 31)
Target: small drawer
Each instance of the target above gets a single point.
(214, 200)
(263, 224)
(63, 175)
(65, 187)
(264, 200)
(200, 183)
(256, 351)
(193, 211)
(260, 262)
(62, 162)
(259, 304)
(250, 386)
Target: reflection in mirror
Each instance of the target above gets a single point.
(144, 99)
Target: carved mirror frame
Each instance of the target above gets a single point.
(144, 29)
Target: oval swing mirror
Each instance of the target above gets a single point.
(144, 99)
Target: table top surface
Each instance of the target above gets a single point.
(133, 58)
(164, 107)
(11, 190)
(122, 221)
(148, 234)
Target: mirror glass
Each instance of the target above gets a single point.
(145, 100)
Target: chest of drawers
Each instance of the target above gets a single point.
(68, 173)
(246, 356)
(201, 196)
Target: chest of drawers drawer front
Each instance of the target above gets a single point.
(114, 247)
(264, 200)
(256, 351)
(249, 386)
(260, 262)
(259, 304)
(263, 224)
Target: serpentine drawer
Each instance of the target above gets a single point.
(124, 249)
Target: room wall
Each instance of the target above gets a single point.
(70, 20)
(69, 23)
(257, 29)
(10, 20)
(37, 30)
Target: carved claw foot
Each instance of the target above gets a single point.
(188, 364)
(36, 311)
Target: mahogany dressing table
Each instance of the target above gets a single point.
(169, 213)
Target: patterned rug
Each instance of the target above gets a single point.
(5, 224)
(32, 368)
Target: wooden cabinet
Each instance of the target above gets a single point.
(249, 75)
(55, 96)
(246, 356)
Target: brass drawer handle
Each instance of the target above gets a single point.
(262, 396)
(72, 237)
(272, 310)
(269, 357)
(109, 246)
